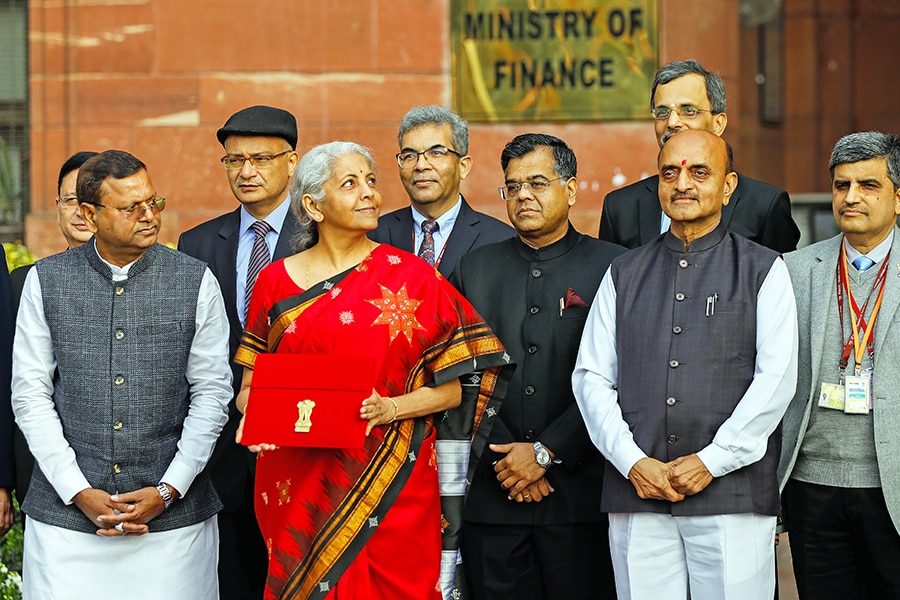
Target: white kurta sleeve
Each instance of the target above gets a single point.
(209, 376)
(32, 395)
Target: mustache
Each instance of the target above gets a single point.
(677, 195)
(857, 208)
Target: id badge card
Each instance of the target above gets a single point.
(832, 396)
(858, 394)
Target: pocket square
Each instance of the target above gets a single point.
(573, 299)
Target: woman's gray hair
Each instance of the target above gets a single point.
(314, 169)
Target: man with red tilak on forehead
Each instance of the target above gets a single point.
(687, 362)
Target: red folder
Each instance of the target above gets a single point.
(308, 400)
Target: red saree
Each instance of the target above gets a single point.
(367, 523)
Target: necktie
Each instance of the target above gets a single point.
(426, 250)
(863, 263)
(259, 258)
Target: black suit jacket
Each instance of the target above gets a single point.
(215, 243)
(471, 230)
(757, 211)
(7, 320)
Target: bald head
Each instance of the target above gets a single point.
(695, 182)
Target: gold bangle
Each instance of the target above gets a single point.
(396, 411)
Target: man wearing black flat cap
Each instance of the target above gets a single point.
(260, 157)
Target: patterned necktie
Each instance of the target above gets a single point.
(863, 263)
(259, 258)
(426, 250)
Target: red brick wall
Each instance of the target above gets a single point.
(157, 78)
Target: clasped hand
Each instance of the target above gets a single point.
(672, 481)
(519, 474)
(133, 510)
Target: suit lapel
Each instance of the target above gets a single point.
(823, 300)
(283, 247)
(461, 240)
(649, 211)
(891, 300)
(400, 230)
(226, 264)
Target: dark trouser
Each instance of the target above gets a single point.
(243, 559)
(568, 562)
(843, 542)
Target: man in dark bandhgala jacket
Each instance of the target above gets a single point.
(532, 528)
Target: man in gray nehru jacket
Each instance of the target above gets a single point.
(840, 461)
(687, 363)
(121, 384)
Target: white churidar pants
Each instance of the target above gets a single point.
(716, 557)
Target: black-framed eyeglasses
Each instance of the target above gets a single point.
(535, 186)
(685, 111)
(67, 201)
(433, 155)
(137, 210)
(235, 162)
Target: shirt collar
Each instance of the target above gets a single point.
(445, 221)
(275, 219)
(877, 253)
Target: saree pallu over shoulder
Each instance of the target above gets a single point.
(319, 508)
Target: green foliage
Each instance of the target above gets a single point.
(11, 560)
(9, 192)
(17, 255)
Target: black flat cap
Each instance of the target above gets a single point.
(261, 120)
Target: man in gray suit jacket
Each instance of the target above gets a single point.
(439, 225)
(260, 158)
(840, 461)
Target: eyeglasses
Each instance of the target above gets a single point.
(433, 155)
(234, 162)
(137, 210)
(536, 187)
(685, 111)
(67, 201)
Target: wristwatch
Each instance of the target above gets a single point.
(541, 456)
(163, 490)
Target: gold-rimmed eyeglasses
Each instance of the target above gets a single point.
(685, 111)
(535, 186)
(137, 210)
(67, 201)
(235, 162)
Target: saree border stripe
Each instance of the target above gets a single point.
(343, 528)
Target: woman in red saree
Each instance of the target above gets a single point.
(348, 524)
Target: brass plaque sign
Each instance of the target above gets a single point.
(553, 60)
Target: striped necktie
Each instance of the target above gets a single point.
(259, 258)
